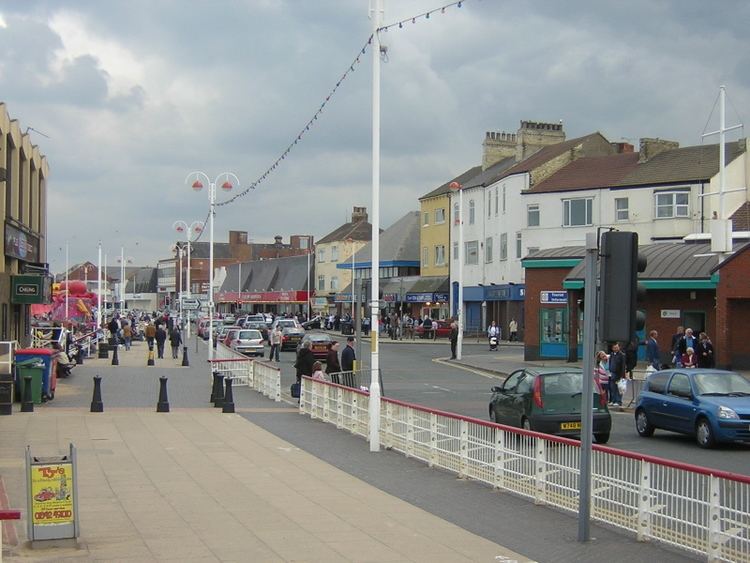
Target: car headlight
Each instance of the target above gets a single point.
(726, 412)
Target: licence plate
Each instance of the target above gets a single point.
(570, 426)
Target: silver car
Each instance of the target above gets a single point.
(247, 341)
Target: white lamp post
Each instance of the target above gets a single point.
(182, 227)
(122, 261)
(197, 185)
(460, 309)
(99, 290)
(67, 281)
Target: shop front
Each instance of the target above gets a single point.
(434, 305)
(505, 303)
(277, 302)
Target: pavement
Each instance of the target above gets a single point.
(264, 484)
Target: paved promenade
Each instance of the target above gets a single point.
(265, 484)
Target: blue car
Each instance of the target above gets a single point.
(712, 405)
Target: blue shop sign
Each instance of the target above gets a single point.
(553, 297)
(440, 297)
(508, 292)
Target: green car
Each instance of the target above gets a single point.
(548, 400)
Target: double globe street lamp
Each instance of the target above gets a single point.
(226, 186)
(182, 227)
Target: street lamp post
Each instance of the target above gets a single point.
(99, 290)
(460, 309)
(350, 240)
(182, 227)
(122, 276)
(67, 280)
(197, 185)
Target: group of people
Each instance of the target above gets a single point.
(613, 368)
(156, 331)
(686, 350)
(306, 363)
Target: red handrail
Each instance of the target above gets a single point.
(10, 514)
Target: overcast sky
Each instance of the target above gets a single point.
(135, 94)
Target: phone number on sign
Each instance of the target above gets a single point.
(49, 514)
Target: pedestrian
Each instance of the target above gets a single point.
(318, 372)
(653, 355)
(175, 339)
(601, 372)
(617, 372)
(127, 334)
(114, 330)
(454, 339)
(150, 334)
(276, 338)
(493, 331)
(161, 338)
(689, 359)
(512, 330)
(332, 358)
(427, 326)
(705, 351)
(305, 361)
(687, 341)
(675, 348)
(348, 355)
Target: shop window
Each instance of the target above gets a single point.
(553, 325)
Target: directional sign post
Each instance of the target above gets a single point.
(191, 304)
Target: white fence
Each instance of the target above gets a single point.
(256, 374)
(700, 510)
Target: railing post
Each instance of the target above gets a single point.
(433, 439)
(499, 458)
(463, 448)
(714, 519)
(540, 496)
(643, 532)
(339, 407)
(326, 414)
(387, 416)
(302, 403)
(251, 375)
(409, 431)
(354, 417)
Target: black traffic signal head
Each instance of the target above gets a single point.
(618, 293)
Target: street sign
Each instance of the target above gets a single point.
(191, 304)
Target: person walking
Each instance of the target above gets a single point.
(114, 330)
(512, 330)
(150, 334)
(305, 361)
(631, 357)
(454, 339)
(332, 358)
(493, 331)
(276, 337)
(617, 372)
(601, 372)
(653, 355)
(705, 351)
(161, 338)
(675, 348)
(175, 339)
(127, 334)
(348, 356)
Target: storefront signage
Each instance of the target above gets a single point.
(670, 313)
(262, 297)
(554, 297)
(20, 244)
(30, 289)
(426, 297)
(507, 292)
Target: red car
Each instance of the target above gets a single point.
(318, 344)
(440, 329)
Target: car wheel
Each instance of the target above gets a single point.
(642, 425)
(704, 434)
(602, 437)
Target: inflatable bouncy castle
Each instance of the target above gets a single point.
(80, 301)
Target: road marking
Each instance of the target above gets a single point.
(440, 388)
(475, 371)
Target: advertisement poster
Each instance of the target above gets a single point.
(52, 493)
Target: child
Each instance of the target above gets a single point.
(318, 372)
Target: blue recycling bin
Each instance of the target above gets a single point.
(49, 375)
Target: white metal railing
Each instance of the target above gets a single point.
(267, 380)
(44, 337)
(256, 374)
(700, 510)
(239, 370)
(7, 356)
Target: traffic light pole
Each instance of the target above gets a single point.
(587, 396)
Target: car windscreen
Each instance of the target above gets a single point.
(249, 335)
(287, 324)
(721, 384)
(566, 383)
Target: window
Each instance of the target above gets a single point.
(489, 203)
(512, 382)
(680, 385)
(321, 283)
(304, 242)
(577, 212)
(456, 218)
(440, 216)
(621, 209)
(455, 251)
(504, 246)
(321, 255)
(657, 383)
(488, 250)
(532, 215)
(425, 256)
(495, 202)
(334, 283)
(504, 192)
(472, 212)
(334, 254)
(672, 204)
(426, 220)
(440, 255)
(519, 244)
(471, 251)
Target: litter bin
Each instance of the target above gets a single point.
(347, 328)
(35, 368)
(49, 374)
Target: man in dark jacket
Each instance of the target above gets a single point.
(617, 371)
(348, 356)
(332, 358)
(454, 340)
(305, 361)
(175, 339)
(161, 338)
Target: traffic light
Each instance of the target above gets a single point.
(619, 265)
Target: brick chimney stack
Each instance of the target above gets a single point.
(651, 147)
(530, 138)
(359, 214)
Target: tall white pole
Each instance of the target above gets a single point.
(179, 289)
(722, 150)
(308, 278)
(211, 199)
(188, 278)
(104, 282)
(460, 308)
(99, 290)
(352, 284)
(67, 284)
(376, 13)
(122, 278)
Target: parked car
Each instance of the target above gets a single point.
(222, 333)
(255, 317)
(711, 405)
(440, 329)
(246, 341)
(319, 342)
(548, 400)
(314, 322)
(257, 325)
(203, 328)
(292, 332)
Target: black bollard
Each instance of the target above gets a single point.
(27, 405)
(96, 400)
(214, 386)
(163, 404)
(185, 361)
(150, 361)
(115, 357)
(228, 406)
(219, 397)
